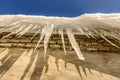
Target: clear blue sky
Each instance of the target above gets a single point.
(66, 8)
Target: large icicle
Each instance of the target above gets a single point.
(74, 43)
(41, 37)
(48, 32)
(62, 37)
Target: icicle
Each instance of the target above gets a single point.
(109, 41)
(95, 31)
(74, 43)
(83, 33)
(87, 32)
(15, 23)
(8, 35)
(62, 37)
(35, 27)
(115, 35)
(15, 26)
(41, 37)
(91, 34)
(80, 29)
(48, 32)
(35, 34)
(21, 29)
(88, 36)
(15, 32)
(26, 30)
(10, 28)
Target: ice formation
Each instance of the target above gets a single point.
(62, 37)
(91, 25)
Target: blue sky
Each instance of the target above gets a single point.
(68, 8)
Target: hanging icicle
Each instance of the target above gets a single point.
(62, 37)
(48, 32)
(74, 43)
(91, 25)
